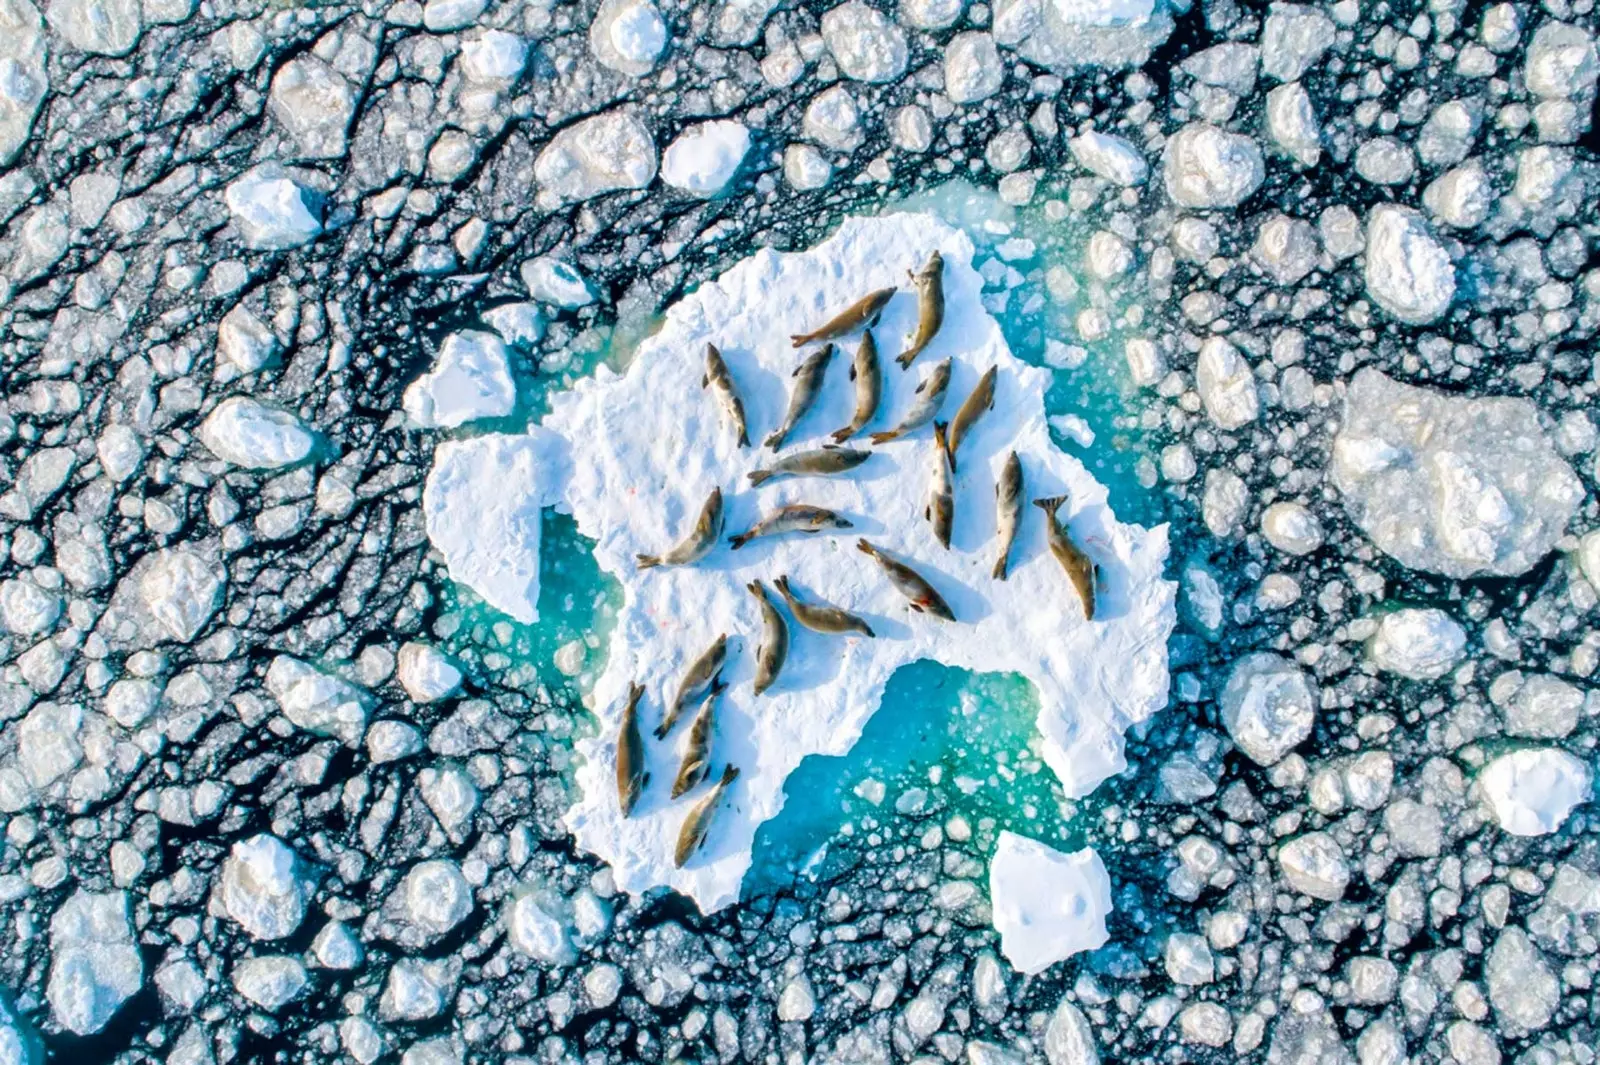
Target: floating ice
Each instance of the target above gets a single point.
(265, 887)
(559, 284)
(1065, 35)
(482, 505)
(1205, 167)
(606, 153)
(470, 380)
(866, 45)
(23, 79)
(1409, 274)
(1530, 792)
(103, 27)
(1449, 484)
(95, 964)
(251, 434)
(633, 494)
(705, 158)
(1047, 905)
(272, 211)
(1422, 644)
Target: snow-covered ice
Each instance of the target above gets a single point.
(252, 434)
(628, 36)
(100, 27)
(24, 81)
(1206, 167)
(1269, 706)
(265, 887)
(1408, 272)
(470, 380)
(1066, 35)
(272, 211)
(482, 505)
(609, 152)
(95, 964)
(1047, 905)
(1530, 792)
(1449, 484)
(706, 157)
(633, 495)
(1419, 643)
(866, 45)
(559, 284)
(1110, 156)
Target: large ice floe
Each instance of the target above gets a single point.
(633, 457)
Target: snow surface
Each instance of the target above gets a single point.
(653, 444)
(1530, 792)
(1047, 905)
(705, 158)
(471, 379)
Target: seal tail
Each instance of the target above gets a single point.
(866, 548)
(744, 438)
(729, 775)
(775, 441)
(1050, 504)
(760, 476)
(648, 561)
(884, 438)
(1000, 566)
(841, 435)
(736, 542)
(907, 357)
(800, 340)
(941, 436)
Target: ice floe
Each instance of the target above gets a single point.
(654, 445)
(1047, 905)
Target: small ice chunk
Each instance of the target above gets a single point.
(1451, 484)
(1206, 167)
(833, 120)
(1293, 39)
(1291, 528)
(1292, 123)
(1269, 706)
(1523, 988)
(427, 673)
(536, 928)
(469, 381)
(272, 211)
(706, 157)
(1530, 792)
(445, 16)
(931, 14)
(24, 81)
(559, 284)
(494, 58)
(805, 167)
(1544, 707)
(866, 45)
(265, 887)
(433, 898)
(100, 27)
(314, 103)
(95, 964)
(1462, 197)
(1385, 161)
(270, 981)
(1047, 905)
(1227, 385)
(245, 342)
(251, 434)
(1067, 35)
(181, 589)
(27, 609)
(336, 947)
(1230, 65)
(973, 69)
(483, 510)
(1419, 643)
(1188, 959)
(1561, 61)
(316, 701)
(1315, 865)
(1111, 157)
(1408, 273)
(608, 152)
(628, 36)
(1285, 248)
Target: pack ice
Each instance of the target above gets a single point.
(633, 457)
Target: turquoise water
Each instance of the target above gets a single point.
(945, 742)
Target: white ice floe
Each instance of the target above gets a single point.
(866, 45)
(1066, 35)
(606, 153)
(482, 506)
(557, 283)
(427, 673)
(1451, 484)
(181, 589)
(95, 964)
(102, 27)
(654, 443)
(1269, 706)
(272, 211)
(1206, 167)
(470, 380)
(705, 158)
(1111, 157)
(314, 103)
(24, 80)
(628, 36)
(1047, 905)
(316, 701)
(265, 887)
(1530, 792)
(1422, 644)
(253, 435)
(973, 69)
(1408, 272)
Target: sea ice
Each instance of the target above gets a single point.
(1450, 484)
(272, 211)
(253, 435)
(1066, 35)
(95, 964)
(482, 505)
(24, 80)
(1047, 905)
(1530, 792)
(1422, 644)
(633, 494)
(1408, 273)
(705, 158)
(606, 153)
(470, 380)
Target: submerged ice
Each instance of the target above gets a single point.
(634, 456)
